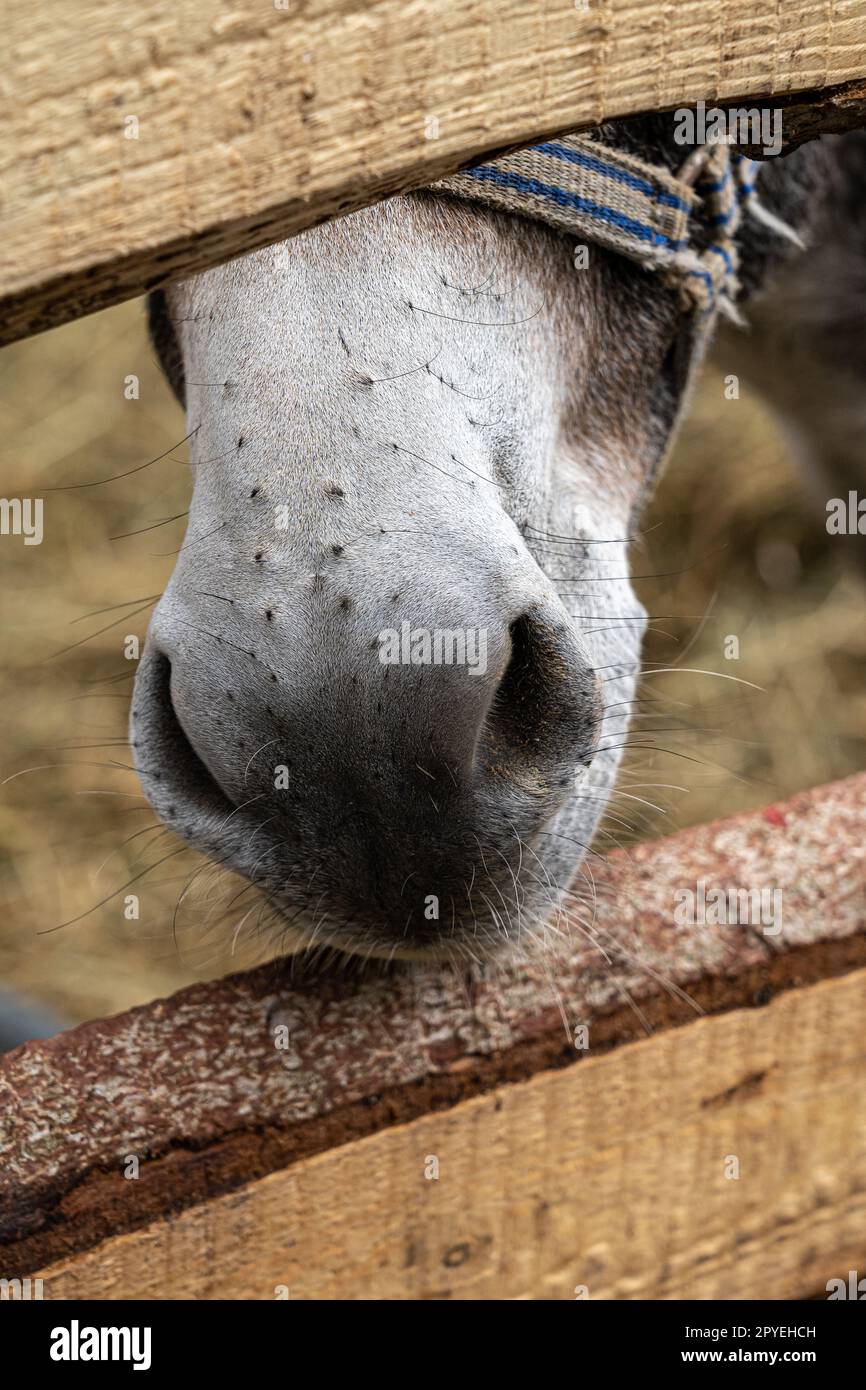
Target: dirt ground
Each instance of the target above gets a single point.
(731, 547)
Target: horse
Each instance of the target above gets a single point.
(392, 675)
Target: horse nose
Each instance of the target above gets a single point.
(371, 743)
(499, 708)
(490, 703)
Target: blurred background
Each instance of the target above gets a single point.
(732, 549)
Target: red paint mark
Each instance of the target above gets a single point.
(774, 816)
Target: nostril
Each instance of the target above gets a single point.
(521, 674)
(547, 706)
(174, 750)
(178, 783)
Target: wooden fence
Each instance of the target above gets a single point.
(679, 1115)
(141, 142)
(689, 1121)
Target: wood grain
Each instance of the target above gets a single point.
(613, 1176)
(259, 1164)
(255, 121)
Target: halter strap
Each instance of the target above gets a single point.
(681, 226)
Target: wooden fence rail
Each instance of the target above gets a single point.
(144, 142)
(657, 1110)
(424, 1136)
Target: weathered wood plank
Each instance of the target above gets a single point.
(197, 1091)
(255, 121)
(614, 1176)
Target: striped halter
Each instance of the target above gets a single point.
(681, 226)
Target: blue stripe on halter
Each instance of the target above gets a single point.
(488, 174)
(716, 185)
(746, 166)
(720, 251)
(708, 279)
(610, 171)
